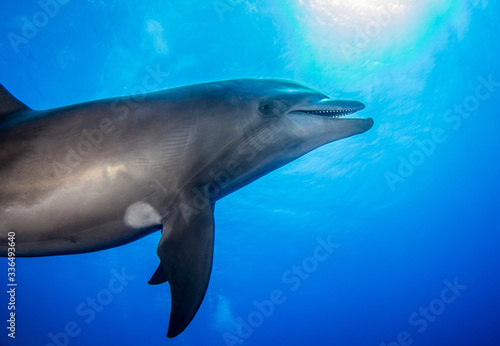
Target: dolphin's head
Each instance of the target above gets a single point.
(309, 114)
(263, 124)
(300, 118)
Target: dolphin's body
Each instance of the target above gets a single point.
(96, 175)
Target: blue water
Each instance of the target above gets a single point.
(412, 205)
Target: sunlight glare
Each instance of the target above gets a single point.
(348, 13)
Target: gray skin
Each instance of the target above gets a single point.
(100, 174)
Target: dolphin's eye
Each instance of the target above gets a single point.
(270, 108)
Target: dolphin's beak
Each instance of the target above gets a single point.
(331, 108)
(339, 112)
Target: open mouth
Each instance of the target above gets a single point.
(333, 109)
(339, 113)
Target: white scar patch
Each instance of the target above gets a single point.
(141, 214)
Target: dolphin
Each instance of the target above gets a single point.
(100, 174)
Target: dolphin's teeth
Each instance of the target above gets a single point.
(334, 113)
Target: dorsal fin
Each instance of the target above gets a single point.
(8, 103)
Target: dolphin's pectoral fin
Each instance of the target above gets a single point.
(159, 277)
(185, 251)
